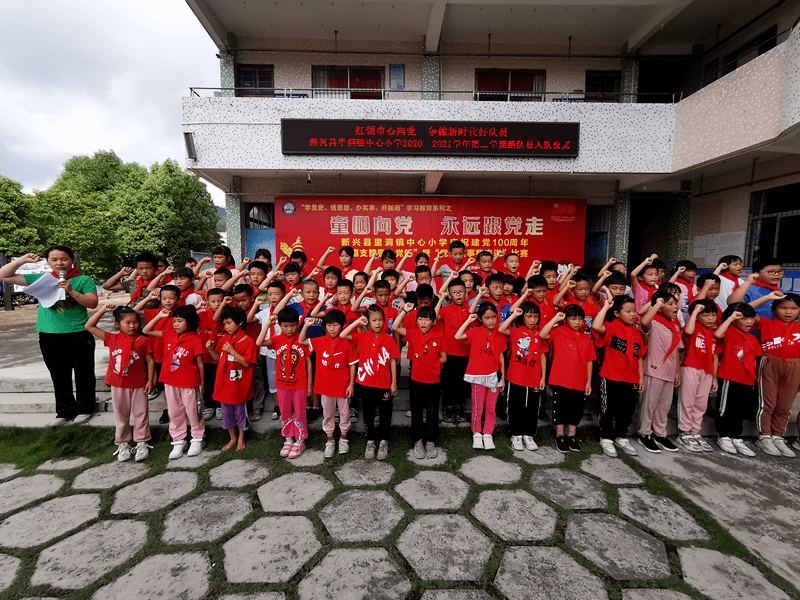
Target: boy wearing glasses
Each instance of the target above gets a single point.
(765, 279)
(456, 390)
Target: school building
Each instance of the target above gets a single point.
(673, 122)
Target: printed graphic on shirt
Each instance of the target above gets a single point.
(116, 356)
(330, 360)
(368, 367)
(292, 357)
(176, 357)
(622, 346)
(778, 342)
(435, 346)
(235, 375)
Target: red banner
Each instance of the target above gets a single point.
(534, 228)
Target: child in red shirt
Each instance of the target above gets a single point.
(622, 373)
(737, 374)
(525, 375)
(182, 376)
(210, 330)
(168, 298)
(427, 355)
(237, 355)
(292, 370)
(335, 377)
(486, 348)
(453, 316)
(579, 296)
(131, 375)
(377, 375)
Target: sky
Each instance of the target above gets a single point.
(78, 77)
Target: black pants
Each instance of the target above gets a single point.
(567, 406)
(523, 409)
(617, 403)
(424, 396)
(456, 390)
(64, 353)
(209, 379)
(380, 400)
(735, 401)
(159, 384)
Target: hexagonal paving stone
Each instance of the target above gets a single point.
(569, 489)
(205, 518)
(18, 492)
(48, 520)
(664, 516)
(192, 462)
(183, 576)
(645, 594)
(271, 550)
(83, 558)
(66, 464)
(528, 572)
(611, 471)
(256, 596)
(365, 472)
(361, 516)
(295, 492)
(445, 547)
(109, 475)
(370, 574)
(238, 473)
(515, 515)
(456, 595)
(723, 577)
(544, 456)
(9, 565)
(154, 493)
(487, 469)
(620, 549)
(433, 490)
(8, 470)
(309, 458)
(441, 458)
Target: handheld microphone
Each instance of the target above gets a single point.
(62, 275)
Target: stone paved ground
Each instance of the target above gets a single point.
(478, 525)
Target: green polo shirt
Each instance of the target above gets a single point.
(64, 320)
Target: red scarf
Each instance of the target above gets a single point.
(774, 288)
(127, 348)
(650, 290)
(730, 277)
(707, 333)
(749, 346)
(675, 326)
(235, 340)
(73, 272)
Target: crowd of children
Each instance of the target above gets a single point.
(218, 342)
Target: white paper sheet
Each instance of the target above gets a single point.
(46, 290)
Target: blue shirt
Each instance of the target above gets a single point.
(314, 331)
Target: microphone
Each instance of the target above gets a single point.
(62, 275)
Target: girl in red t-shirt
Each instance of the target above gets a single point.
(131, 375)
(182, 375)
(526, 374)
(486, 348)
(737, 375)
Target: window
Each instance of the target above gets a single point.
(760, 44)
(503, 85)
(774, 221)
(602, 86)
(260, 78)
(261, 216)
(326, 82)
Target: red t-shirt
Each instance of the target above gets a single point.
(158, 343)
(234, 382)
(179, 368)
(739, 352)
(410, 322)
(453, 318)
(572, 350)
(525, 362)
(209, 330)
(624, 347)
(546, 311)
(132, 375)
(423, 351)
(390, 312)
(484, 351)
(290, 362)
(700, 349)
(334, 357)
(778, 338)
(374, 356)
(590, 311)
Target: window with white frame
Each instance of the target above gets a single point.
(344, 82)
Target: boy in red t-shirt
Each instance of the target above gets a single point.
(210, 330)
(131, 375)
(580, 296)
(453, 316)
(236, 354)
(378, 356)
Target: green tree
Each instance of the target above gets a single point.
(16, 234)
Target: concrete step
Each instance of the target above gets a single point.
(41, 402)
(36, 385)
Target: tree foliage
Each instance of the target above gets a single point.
(16, 233)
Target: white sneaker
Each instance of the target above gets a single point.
(704, 445)
(408, 414)
(689, 442)
(81, 419)
(783, 447)
(796, 444)
(369, 453)
(196, 447)
(477, 441)
(530, 443)
(742, 448)
(219, 414)
(123, 452)
(726, 444)
(430, 450)
(488, 442)
(626, 447)
(177, 449)
(59, 421)
(330, 449)
(608, 447)
(142, 451)
(344, 445)
(208, 414)
(383, 450)
(419, 450)
(516, 442)
(765, 444)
